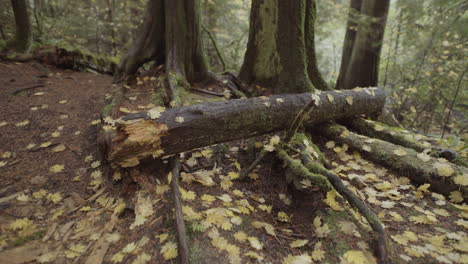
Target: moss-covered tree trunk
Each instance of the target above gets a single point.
(170, 35)
(280, 51)
(23, 39)
(363, 66)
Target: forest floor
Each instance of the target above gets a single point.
(56, 206)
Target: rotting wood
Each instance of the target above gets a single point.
(184, 128)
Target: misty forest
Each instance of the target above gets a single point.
(234, 131)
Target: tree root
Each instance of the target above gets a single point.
(180, 224)
(444, 177)
(403, 138)
(309, 164)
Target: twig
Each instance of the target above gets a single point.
(243, 174)
(298, 120)
(453, 102)
(208, 92)
(28, 88)
(182, 237)
(218, 52)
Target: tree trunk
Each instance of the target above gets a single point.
(280, 50)
(23, 40)
(169, 35)
(184, 128)
(363, 68)
(350, 37)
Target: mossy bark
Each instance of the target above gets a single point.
(170, 35)
(280, 51)
(443, 177)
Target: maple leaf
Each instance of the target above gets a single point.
(39, 194)
(318, 254)
(143, 209)
(330, 200)
(379, 127)
(283, 217)
(54, 197)
(301, 259)
(444, 169)
(187, 195)
(322, 231)
(169, 250)
(357, 257)
(75, 250)
(179, 119)
(21, 223)
(461, 180)
(240, 236)
(330, 98)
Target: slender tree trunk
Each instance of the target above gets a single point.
(312, 67)
(363, 67)
(23, 41)
(280, 51)
(350, 37)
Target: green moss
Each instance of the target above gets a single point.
(23, 240)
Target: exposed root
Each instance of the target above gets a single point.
(245, 172)
(444, 177)
(403, 138)
(180, 224)
(309, 165)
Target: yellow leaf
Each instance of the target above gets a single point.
(75, 250)
(54, 197)
(57, 168)
(179, 119)
(444, 169)
(456, 197)
(399, 152)
(461, 180)
(169, 250)
(283, 217)
(59, 148)
(330, 98)
(21, 223)
(357, 257)
(240, 236)
(39, 194)
(330, 200)
(298, 243)
(378, 127)
(349, 99)
(255, 243)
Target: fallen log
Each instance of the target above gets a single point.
(138, 136)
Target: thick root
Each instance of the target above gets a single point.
(444, 177)
(403, 138)
(308, 164)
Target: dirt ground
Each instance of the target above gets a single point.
(58, 206)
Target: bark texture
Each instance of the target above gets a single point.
(363, 66)
(23, 40)
(184, 128)
(280, 50)
(170, 35)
